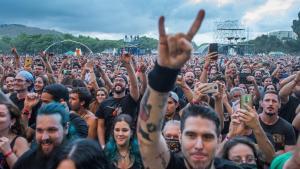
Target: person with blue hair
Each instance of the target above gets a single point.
(51, 134)
(122, 148)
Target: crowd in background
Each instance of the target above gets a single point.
(52, 104)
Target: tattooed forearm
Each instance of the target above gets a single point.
(161, 156)
(143, 133)
(151, 127)
(151, 141)
(145, 109)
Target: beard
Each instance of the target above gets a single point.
(270, 114)
(190, 83)
(119, 91)
(75, 108)
(40, 151)
(56, 148)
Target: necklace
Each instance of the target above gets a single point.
(123, 157)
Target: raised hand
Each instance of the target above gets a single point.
(43, 55)
(89, 64)
(175, 50)
(14, 51)
(143, 67)
(126, 58)
(200, 92)
(297, 77)
(211, 57)
(4, 145)
(219, 95)
(236, 127)
(31, 100)
(249, 117)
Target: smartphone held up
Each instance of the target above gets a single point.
(246, 99)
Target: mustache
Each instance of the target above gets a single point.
(47, 141)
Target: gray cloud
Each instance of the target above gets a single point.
(130, 16)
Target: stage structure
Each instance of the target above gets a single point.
(131, 44)
(232, 37)
(69, 47)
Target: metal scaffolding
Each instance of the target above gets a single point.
(230, 32)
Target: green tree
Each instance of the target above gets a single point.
(296, 26)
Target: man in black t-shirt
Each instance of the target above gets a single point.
(119, 103)
(200, 126)
(281, 130)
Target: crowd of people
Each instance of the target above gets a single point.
(166, 111)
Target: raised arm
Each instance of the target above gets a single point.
(256, 90)
(174, 51)
(143, 78)
(250, 117)
(219, 103)
(90, 66)
(107, 81)
(133, 88)
(287, 89)
(48, 68)
(204, 74)
(188, 92)
(17, 58)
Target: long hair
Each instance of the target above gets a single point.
(111, 149)
(94, 105)
(18, 128)
(45, 81)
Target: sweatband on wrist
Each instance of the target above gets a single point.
(162, 79)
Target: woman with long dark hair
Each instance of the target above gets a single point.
(12, 132)
(101, 94)
(40, 83)
(122, 148)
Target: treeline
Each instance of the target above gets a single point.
(33, 44)
(266, 44)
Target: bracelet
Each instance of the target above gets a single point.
(8, 154)
(162, 79)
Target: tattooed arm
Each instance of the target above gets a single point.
(174, 52)
(153, 147)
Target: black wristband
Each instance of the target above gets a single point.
(162, 79)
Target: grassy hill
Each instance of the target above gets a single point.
(13, 30)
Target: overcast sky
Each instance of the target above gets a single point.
(112, 19)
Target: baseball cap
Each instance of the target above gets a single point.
(174, 96)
